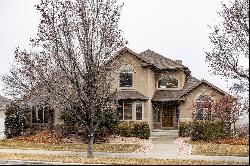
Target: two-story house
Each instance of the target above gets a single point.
(153, 88)
(150, 87)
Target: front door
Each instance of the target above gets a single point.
(167, 118)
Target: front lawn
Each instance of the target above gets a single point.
(212, 149)
(112, 148)
(114, 161)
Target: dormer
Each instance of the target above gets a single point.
(167, 83)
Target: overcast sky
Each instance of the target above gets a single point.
(177, 29)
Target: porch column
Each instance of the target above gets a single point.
(175, 121)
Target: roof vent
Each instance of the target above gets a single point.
(179, 62)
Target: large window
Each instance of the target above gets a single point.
(40, 114)
(168, 82)
(203, 104)
(126, 77)
(126, 110)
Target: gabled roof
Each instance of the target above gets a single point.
(123, 50)
(153, 59)
(189, 89)
(159, 61)
(130, 95)
(4, 101)
(177, 95)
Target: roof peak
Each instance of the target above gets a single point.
(160, 61)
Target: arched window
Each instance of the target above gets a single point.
(203, 107)
(168, 82)
(126, 76)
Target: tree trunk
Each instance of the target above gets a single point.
(90, 143)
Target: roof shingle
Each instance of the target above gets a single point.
(167, 95)
(130, 95)
(177, 95)
(159, 61)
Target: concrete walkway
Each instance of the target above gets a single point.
(158, 152)
(163, 149)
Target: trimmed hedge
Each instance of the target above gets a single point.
(215, 130)
(133, 129)
(202, 130)
(184, 129)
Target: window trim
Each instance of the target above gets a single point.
(133, 111)
(123, 111)
(131, 70)
(197, 99)
(36, 111)
(126, 87)
(173, 88)
(142, 110)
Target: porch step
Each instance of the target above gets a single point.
(164, 133)
(163, 136)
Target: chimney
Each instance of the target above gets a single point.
(179, 62)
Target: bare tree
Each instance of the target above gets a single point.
(65, 67)
(229, 55)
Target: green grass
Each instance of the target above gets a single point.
(112, 148)
(114, 161)
(219, 149)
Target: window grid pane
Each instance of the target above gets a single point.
(127, 111)
(168, 82)
(138, 111)
(126, 79)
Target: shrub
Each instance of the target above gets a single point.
(184, 129)
(70, 122)
(106, 123)
(133, 129)
(16, 119)
(206, 130)
(197, 129)
(214, 130)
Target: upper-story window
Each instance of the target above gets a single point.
(126, 77)
(168, 82)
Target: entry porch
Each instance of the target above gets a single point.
(166, 115)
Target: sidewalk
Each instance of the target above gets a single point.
(152, 154)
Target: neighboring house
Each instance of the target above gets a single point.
(3, 102)
(149, 87)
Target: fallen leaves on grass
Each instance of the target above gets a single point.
(220, 149)
(145, 145)
(112, 148)
(114, 161)
(41, 137)
(231, 141)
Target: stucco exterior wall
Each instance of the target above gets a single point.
(140, 77)
(151, 91)
(186, 108)
(143, 81)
